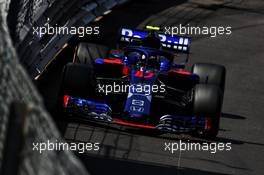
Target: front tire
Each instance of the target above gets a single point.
(210, 74)
(208, 104)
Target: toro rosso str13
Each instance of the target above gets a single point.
(153, 91)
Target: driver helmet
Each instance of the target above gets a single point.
(137, 59)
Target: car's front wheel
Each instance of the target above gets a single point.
(207, 105)
(210, 74)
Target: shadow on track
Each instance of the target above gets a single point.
(237, 142)
(130, 131)
(233, 116)
(106, 166)
(219, 162)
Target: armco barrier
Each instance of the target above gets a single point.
(31, 119)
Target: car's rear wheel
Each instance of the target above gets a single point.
(78, 80)
(207, 105)
(86, 53)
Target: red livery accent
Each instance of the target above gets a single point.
(133, 124)
(113, 61)
(125, 70)
(208, 123)
(141, 74)
(181, 72)
(65, 100)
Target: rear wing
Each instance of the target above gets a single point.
(171, 43)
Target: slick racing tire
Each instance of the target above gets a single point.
(86, 53)
(78, 80)
(210, 74)
(208, 104)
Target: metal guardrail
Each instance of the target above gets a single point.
(35, 52)
(16, 85)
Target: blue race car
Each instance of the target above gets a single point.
(141, 85)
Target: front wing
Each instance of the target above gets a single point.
(100, 112)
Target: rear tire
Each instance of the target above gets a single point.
(78, 80)
(208, 104)
(86, 53)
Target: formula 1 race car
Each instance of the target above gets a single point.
(140, 85)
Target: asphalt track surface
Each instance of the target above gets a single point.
(129, 151)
